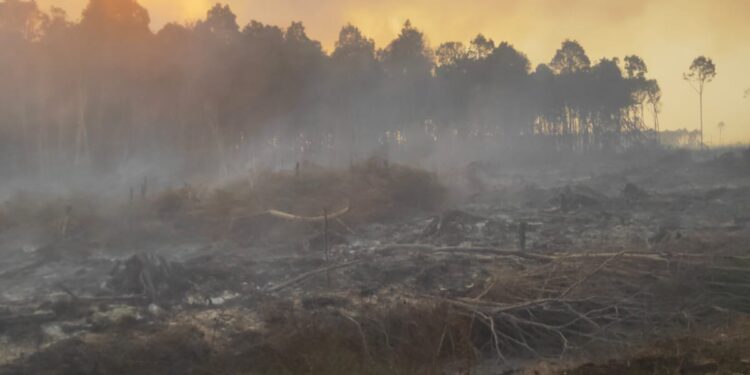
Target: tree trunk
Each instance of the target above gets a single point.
(700, 94)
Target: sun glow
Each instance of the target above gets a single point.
(193, 9)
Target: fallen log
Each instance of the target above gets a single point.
(34, 318)
(590, 274)
(18, 270)
(465, 250)
(629, 255)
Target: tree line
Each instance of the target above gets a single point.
(107, 89)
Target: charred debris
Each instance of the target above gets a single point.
(382, 269)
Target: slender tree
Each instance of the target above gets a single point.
(701, 72)
(654, 99)
(721, 127)
(354, 70)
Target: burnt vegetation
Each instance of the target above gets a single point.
(211, 198)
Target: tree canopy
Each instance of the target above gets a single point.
(107, 89)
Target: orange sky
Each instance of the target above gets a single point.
(668, 34)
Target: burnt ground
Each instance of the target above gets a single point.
(629, 268)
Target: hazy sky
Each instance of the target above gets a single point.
(668, 34)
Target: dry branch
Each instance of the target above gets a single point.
(18, 270)
(365, 348)
(465, 250)
(312, 219)
(312, 273)
(591, 274)
(35, 318)
(294, 217)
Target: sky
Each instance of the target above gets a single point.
(667, 34)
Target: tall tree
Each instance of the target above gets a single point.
(454, 87)
(100, 91)
(570, 58)
(109, 19)
(408, 64)
(22, 20)
(654, 99)
(114, 42)
(221, 22)
(636, 70)
(635, 67)
(22, 24)
(353, 46)
(354, 72)
(450, 54)
(571, 64)
(701, 72)
(408, 56)
(506, 72)
(481, 47)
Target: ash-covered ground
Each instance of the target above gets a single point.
(634, 267)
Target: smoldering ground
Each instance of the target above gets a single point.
(217, 199)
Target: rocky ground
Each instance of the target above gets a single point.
(630, 268)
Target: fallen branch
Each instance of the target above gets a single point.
(312, 219)
(291, 217)
(637, 256)
(496, 307)
(338, 220)
(67, 291)
(18, 270)
(590, 274)
(312, 273)
(115, 299)
(36, 318)
(466, 250)
(142, 299)
(365, 347)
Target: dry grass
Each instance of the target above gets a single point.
(75, 215)
(373, 191)
(404, 340)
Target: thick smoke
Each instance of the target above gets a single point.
(107, 97)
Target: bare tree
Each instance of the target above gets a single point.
(702, 71)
